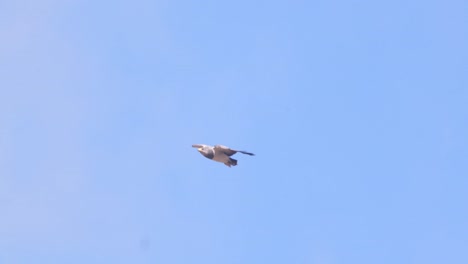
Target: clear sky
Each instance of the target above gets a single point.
(357, 112)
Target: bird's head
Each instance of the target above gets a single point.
(204, 150)
(199, 147)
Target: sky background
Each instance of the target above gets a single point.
(356, 110)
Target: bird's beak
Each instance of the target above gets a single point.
(200, 149)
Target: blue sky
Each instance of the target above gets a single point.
(357, 111)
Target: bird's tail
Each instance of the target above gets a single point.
(231, 162)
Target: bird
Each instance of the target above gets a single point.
(220, 153)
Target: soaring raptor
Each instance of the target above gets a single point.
(219, 153)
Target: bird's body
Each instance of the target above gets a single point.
(219, 153)
(220, 157)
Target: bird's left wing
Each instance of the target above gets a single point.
(245, 152)
(229, 151)
(224, 150)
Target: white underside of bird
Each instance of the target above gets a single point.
(220, 157)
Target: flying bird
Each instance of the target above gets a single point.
(219, 153)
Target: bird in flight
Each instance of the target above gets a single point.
(219, 153)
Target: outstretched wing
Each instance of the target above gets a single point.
(245, 152)
(229, 151)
